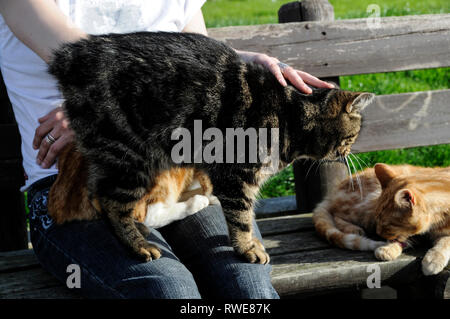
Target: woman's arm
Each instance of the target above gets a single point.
(298, 78)
(39, 24)
(197, 24)
(42, 27)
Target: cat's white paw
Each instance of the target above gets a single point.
(433, 263)
(388, 252)
(213, 200)
(196, 203)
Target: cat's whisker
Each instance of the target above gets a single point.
(349, 172)
(358, 180)
(363, 161)
(357, 161)
(361, 168)
(318, 166)
(309, 169)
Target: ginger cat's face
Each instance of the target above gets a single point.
(400, 211)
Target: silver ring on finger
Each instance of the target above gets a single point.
(282, 66)
(50, 139)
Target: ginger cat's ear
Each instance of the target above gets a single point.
(405, 198)
(384, 174)
(359, 101)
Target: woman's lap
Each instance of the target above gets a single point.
(196, 256)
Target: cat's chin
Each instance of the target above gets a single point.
(403, 244)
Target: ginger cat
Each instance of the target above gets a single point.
(172, 198)
(395, 202)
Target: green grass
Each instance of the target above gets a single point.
(219, 13)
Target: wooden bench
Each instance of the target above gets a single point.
(303, 264)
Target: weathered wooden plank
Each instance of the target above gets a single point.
(60, 292)
(323, 270)
(13, 233)
(353, 46)
(32, 283)
(405, 120)
(440, 284)
(277, 206)
(18, 259)
(293, 242)
(285, 224)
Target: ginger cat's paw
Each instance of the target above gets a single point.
(433, 262)
(256, 253)
(196, 203)
(147, 251)
(388, 252)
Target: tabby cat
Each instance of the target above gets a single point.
(173, 197)
(125, 95)
(395, 202)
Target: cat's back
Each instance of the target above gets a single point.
(158, 53)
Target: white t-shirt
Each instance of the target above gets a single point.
(33, 92)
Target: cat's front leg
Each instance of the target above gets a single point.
(237, 199)
(436, 259)
(241, 235)
(390, 251)
(118, 199)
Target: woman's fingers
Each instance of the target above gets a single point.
(47, 123)
(54, 150)
(312, 80)
(51, 136)
(275, 69)
(294, 77)
(45, 146)
(40, 133)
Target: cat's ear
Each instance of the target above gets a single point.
(384, 174)
(359, 101)
(405, 198)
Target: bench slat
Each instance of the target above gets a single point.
(278, 206)
(16, 260)
(345, 47)
(293, 242)
(329, 269)
(32, 283)
(405, 120)
(285, 224)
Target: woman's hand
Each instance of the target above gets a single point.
(282, 72)
(51, 136)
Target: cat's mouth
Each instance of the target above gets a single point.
(401, 243)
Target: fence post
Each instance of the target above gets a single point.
(312, 182)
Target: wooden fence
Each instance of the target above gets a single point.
(328, 49)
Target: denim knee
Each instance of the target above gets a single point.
(246, 281)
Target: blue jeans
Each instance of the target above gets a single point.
(197, 260)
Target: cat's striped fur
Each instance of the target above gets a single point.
(126, 94)
(395, 202)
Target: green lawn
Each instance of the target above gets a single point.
(219, 13)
